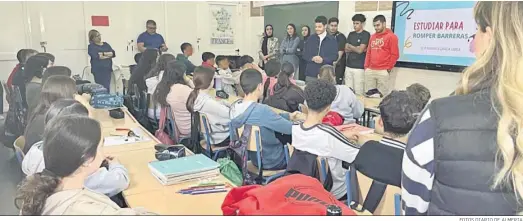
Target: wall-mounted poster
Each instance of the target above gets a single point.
(222, 28)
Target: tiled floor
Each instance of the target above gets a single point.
(10, 176)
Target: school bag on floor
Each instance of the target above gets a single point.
(291, 195)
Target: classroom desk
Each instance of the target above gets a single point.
(144, 190)
(371, 109)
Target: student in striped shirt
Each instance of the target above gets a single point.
(381, 160)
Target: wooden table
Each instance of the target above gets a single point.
(144, 190)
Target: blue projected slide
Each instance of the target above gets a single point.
(435, 32)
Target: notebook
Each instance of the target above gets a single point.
(187, 166)
(355, 127)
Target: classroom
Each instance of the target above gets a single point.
(261, 108)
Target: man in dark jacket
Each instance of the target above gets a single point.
(320, 49)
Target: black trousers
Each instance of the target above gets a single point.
(340, 71)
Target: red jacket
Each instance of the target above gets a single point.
(382, 52)
(295, 194)
(209, 65)
(11, 76)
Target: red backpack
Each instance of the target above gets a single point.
(290, 195)
(333, 118)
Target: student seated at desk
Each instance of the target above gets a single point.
(346, 103)
(208, 60)
(324, 140)
(109, 181)
(146, 63)
(33, 89)
(55, 88)
(382, 160)
(217, 113)
(173, 91)
(153, 78)
(249, 111)
(421, 92)
(73, 152)
(287, 96)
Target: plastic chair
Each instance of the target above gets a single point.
(18, 145)
(210, 150)
(254, 145)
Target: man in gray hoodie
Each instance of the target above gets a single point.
(249, 111)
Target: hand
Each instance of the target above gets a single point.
(296, 116)
(334, 63)
(317, 59)
(112, 159)
(164, 48)
(265, 57)
(351, 135)
(108, 54)
(304, 109)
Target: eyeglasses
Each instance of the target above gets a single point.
(151, 28)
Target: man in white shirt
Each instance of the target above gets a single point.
(324, 140)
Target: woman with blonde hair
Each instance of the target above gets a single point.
(346, 103)
(102, 55)
(464, 156)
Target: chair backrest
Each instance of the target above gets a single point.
(206, 130)
(323, 167)
(387, 205)
(171, 126)
(18, 145)
(289, 150)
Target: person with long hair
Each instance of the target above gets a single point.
(268, 46)
(174, 91)
(109, 180)
(34, 88)
(55, 88)
(464, 154)
(153, 77)
(346, 103)
(289, 47)
(287, 96)
(305, 33)
(102, 55)
(73, 151)
(146, 63)
(32, 72)
(217, 113)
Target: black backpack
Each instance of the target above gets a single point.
(16, 117)
(302, 162)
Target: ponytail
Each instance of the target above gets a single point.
(286, 71)
(191, 99)
(34, 191)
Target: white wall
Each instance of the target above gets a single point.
(64, 26)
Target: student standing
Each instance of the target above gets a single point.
(73, 151)
(320, 49)
(305, 33)
(324, 140)
(102, 55)
(151, 39)
(381, 57)
(464, 155)
(217, 113)
(356, 49)
(187, 51)
(339, 64)
(289, 47)
(269, 46)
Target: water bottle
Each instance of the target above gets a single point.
(333, 210)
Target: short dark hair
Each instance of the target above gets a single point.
(380, 18)
(184, 46)
(321, 19)
(208, 55)
(421, 92)
(399, 111)
(47, 55)
(334, 19)
(249, 80)
(220, 58)
(246, 59)
(150, 22)
(23, 55)
(272, 67)
(359, 17)
(319, 94)
(54, 71)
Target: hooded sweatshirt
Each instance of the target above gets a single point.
(248, 112)
(217, 115)
(382, 52)
(85, 202)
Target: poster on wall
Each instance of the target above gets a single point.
(435, 32)
(222, 31)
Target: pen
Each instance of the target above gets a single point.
(189, 191)
(208, 191)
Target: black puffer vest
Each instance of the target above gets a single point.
(465, 149)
